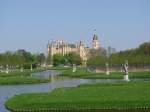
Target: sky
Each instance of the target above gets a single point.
(30, 24)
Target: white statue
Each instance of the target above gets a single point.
(7, 69)
(21, 69)
(107, 69)
(125, 68)
(74, 68)
(31, 67)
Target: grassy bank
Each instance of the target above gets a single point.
(83, 73)
(18, 77)
(59, 68)
(21, 80)
(117, 95)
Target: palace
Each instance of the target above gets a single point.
(61, 47)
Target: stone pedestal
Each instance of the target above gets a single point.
(74, 68)
(21, 69)
(125, 67)
(126, 78)
(107, 72)
(107, 69)
(7, 69)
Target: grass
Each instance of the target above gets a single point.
(26, 72)
(58, 68)
(17, 77)
(21, 80)
(15, 74)
(116, 95)
(83, 73)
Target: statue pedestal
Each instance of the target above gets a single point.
(126, 78)
(7, 71)
(107, 72)
(74, 68)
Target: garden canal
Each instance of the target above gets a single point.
(9, 91)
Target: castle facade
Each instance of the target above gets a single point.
(61, 47)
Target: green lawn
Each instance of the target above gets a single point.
(26, 72)
(83, 73)
(21, 80)
(15, 74)
(116, 95)
(58, 68)
(18, 77)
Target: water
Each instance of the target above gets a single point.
(9, 91)
(47, 73)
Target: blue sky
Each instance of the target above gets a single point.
(30, 24)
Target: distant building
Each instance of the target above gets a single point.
(61, 47)
(110, 51)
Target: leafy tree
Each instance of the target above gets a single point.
(49, 60)
(97, 61)
(41, 58)
(73, 58)
(68, 59)
(136, 57)
(58, 59)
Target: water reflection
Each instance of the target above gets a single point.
(46, 73)
(53, 78)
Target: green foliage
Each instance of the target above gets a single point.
(58, 59)
(73, 58)
(137, 57)
(97, 57)
(145, 48)
(68, 59)
(49, 60)
(20, 58)
(41, 58)
(97, 61)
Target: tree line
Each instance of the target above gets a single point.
(139, 56)
(67, 59)
(20, 59)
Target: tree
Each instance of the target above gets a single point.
(97, 61)
(41, 59)
(58, 59)
(68, 59)
(73, 58)
(136, 57)
(49, 60)
(20, 59)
